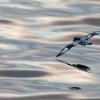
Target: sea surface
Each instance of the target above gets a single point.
(32, 32)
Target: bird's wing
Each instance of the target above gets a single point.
(90, 35)
(67, 47)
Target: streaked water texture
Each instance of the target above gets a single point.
(32, 32)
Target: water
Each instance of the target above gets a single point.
(31, 34)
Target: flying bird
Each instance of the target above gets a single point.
(83, 40)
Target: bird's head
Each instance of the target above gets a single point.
(76, 39)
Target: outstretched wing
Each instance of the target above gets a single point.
(90, 35)
(67, 47)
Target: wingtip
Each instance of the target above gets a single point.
(56, 55)
(59, 54)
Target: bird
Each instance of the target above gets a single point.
(83, 40)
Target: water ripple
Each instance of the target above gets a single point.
(31, 34)
(22, 73)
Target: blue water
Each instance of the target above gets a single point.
(32, 32)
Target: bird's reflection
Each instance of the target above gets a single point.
(74, 88)
(78, 66)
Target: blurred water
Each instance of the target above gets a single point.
(31, 34)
